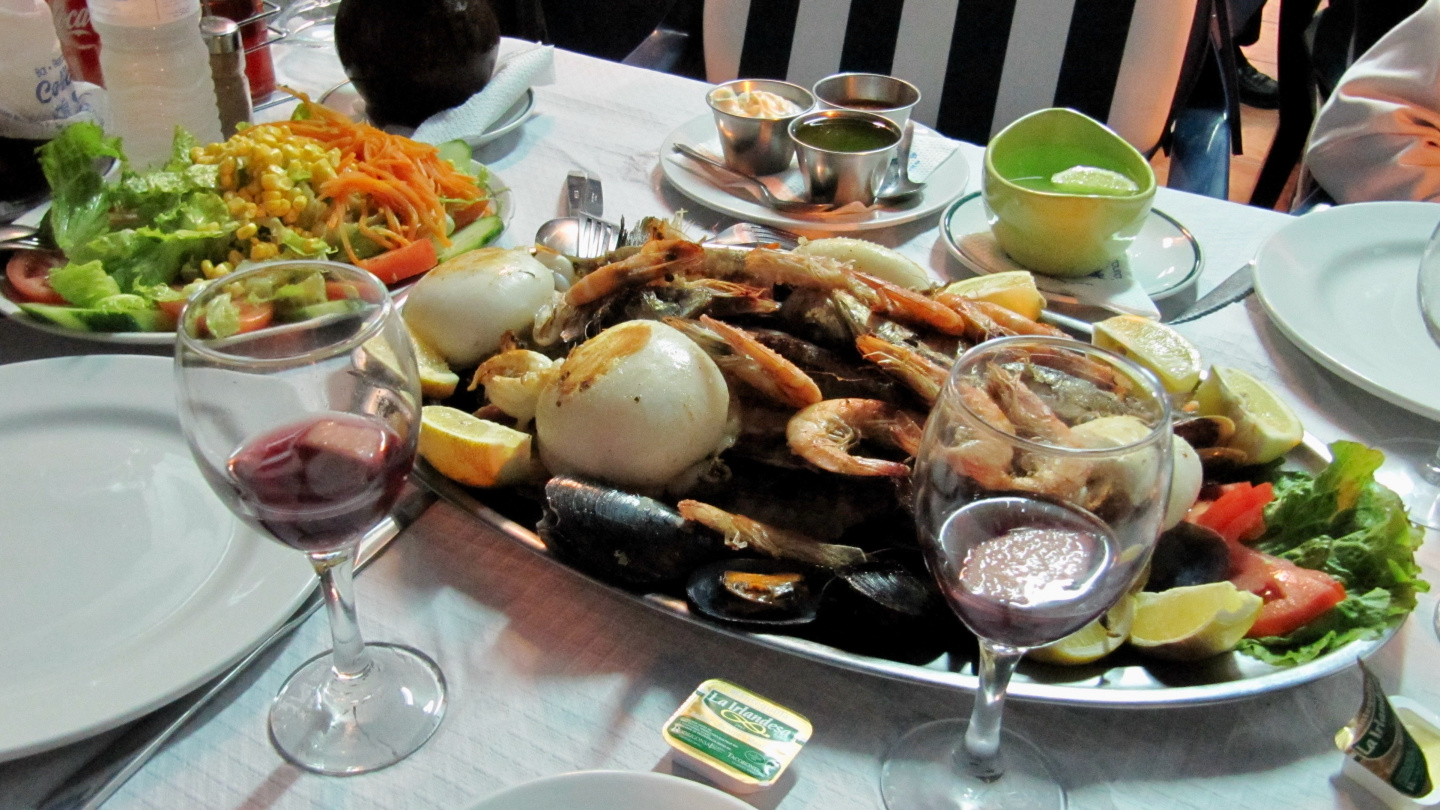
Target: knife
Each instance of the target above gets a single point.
(102, 775)
(1240, 284)
(583, 195)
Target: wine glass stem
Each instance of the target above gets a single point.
(981, 752)
(337, 581)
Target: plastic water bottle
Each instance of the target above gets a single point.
(157, 72)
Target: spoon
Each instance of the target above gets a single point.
(583, 237)
(758, 188)
(898, 186)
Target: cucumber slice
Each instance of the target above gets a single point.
(457, 152)
(82, 319)
(477, 234)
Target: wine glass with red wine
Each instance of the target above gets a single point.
(300, 399)
(1040, 490)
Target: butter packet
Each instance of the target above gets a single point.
(740, 740)
(1383, 754)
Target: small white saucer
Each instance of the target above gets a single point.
(1164, 258)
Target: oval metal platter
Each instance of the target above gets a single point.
(1121, 680)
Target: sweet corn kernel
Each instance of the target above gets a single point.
(247, 231)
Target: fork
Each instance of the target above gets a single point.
(751, 234)
(597, 237)
(755, 186)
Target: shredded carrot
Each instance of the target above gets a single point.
(404, 181)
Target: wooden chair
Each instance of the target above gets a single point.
(1155, 71)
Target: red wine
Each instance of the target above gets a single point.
(1027, 572)
(318, 484)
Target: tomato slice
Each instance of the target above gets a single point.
(1296, 597)
(252, 316)
(28, 271)
(403, 262)
(255, 316)
(1238, 514)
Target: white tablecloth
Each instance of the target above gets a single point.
(549, 673)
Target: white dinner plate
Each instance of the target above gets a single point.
(124, 582)
(499, 192)
(947, 182)
(611, 790)
(344, 98)
(1164, 257)
(1340, 284)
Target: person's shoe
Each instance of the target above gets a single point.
(1256, 89)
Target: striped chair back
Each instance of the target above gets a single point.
(979, 64)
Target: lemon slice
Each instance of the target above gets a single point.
(1265, 427)
(1014, 289)
(1153, 345)
(473, 451)
(436, 378)
(1193, 622)
(1093, 180)
(1093, 641)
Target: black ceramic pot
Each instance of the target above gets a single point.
(410, 59)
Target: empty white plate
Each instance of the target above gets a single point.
(611, 790)
(1340, 283)
(125, 582)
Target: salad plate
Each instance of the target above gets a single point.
(126, 582)
(1340, 284)
(1165, 258)
(944, 184)
(1121, 680)
(9, 308)
(346, 99)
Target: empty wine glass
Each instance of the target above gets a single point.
(1412, 465)
(1040, 488)
(300, 399)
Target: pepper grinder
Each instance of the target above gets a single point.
(227, 66)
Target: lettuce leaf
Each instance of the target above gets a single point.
(80, 199)
(1346, 524)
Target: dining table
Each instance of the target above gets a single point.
(549, 672)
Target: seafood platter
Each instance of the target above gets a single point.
(725, 435)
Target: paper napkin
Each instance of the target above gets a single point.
(1113, 287)
(470, 120)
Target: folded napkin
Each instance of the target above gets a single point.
(1113, 287)
(512, 78)
(928, 150)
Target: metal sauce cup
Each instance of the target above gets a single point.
(757, 146)
(869, 92)
(840, 173)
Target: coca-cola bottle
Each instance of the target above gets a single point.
(78, 40)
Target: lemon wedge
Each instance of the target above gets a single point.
(1265, 427)
(473, 451)
(436, 378)
(1194, 621)
(1153, 345)
(1093, 641)
(1093, 180)
(1014, 289)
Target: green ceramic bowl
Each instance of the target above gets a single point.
(1054, 231)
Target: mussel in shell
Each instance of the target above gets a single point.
(623, 537)
(889, 609)
(762, 594)
(1188, 555)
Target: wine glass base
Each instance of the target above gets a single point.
(1406, 472)
(920, 774)
(337, 728)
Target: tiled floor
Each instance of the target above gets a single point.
(1257, 126)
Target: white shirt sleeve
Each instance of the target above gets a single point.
(1378, 136)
